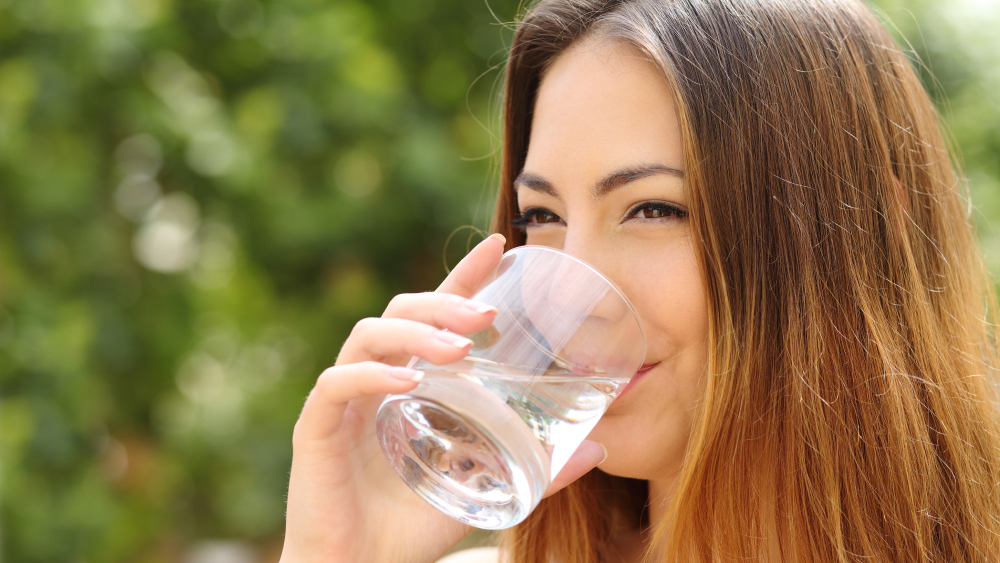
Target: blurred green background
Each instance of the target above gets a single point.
(198, 200)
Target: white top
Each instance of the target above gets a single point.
(474, 555)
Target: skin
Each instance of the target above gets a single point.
(345, 502)
(601, 108)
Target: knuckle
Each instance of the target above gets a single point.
(398, 302)
(325, 380)
(413, 348)
(338, 374)
(442, 317)
(438, 352)
(451, 303)
(297, 433)
(334, 381)
(370, 366)
(459, 284)
(364, 325)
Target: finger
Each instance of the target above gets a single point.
(468, 275)
(393, 341)
(589, 455)
(336, 386)
(442, 310)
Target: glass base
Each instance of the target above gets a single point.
(475, 460)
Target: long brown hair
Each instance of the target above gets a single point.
(849, 411)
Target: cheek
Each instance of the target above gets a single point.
(646, 438)
(553, 237)
(667, 289)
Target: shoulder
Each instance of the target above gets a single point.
(474, 555)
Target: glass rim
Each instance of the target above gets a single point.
(614, 286)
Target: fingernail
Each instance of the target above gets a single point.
(605, 453)
(502, 238)
(480, 307)
(406, 374)
(453, 339)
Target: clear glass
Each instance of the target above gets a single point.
(481, 439)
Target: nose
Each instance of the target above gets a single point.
(582, 287)
(603, 259)
(581, 315)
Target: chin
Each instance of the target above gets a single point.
(618, 435)
(610, 427)
(634, 451)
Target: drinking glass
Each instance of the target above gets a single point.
(480, 439)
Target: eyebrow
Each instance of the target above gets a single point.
(605, 185)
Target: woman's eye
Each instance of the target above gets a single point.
(657, 210)
(648, 213)
(535, 216)
(545, 217)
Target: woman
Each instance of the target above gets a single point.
(767, 182)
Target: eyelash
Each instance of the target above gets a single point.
(523, 221)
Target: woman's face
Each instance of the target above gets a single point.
(604, 181)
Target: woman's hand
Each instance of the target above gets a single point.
(345, 502)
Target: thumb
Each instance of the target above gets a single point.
(589, 455)
(467, 276)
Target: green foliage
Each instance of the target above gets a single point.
(198, 200)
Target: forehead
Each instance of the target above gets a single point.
(600, 105)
